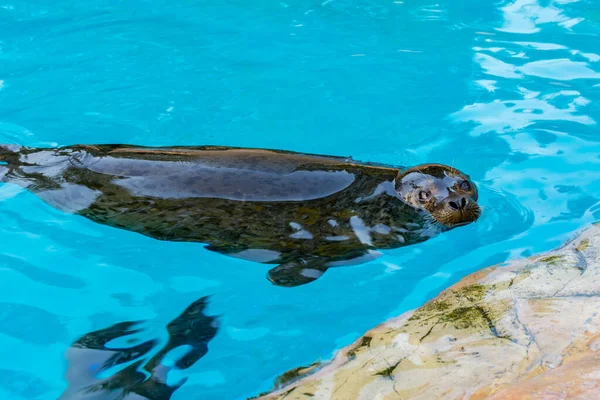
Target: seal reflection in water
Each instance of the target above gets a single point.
(304, 213)
(134, 376)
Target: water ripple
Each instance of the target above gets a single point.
(507, 92)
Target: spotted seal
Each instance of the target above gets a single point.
(303, 212)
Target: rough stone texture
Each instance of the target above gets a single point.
(529, 330)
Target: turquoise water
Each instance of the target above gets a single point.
(508, 92)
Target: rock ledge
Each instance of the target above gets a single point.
(529, 330)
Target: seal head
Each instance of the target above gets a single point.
(445, 193)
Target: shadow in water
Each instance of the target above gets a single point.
(136, 377)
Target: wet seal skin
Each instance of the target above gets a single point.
(303, 213)
(131, 374)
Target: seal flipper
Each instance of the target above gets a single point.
(297, 272)
(191, 328)
(91, 355)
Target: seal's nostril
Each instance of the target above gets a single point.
(463, 202)
(453, 205)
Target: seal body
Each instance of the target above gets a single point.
(303, 212)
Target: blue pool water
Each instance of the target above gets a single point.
(507, 91)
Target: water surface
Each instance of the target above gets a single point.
(508, 92)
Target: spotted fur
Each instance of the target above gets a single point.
(302, 212)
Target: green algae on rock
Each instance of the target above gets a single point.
(293, 375)
(365, 341)
(502, 332)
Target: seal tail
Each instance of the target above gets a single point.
(9, 153)
(9, 157)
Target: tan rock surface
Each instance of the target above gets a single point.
(529, 330)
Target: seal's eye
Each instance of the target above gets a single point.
(465, 185)
(424, 195)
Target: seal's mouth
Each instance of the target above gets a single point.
(455, 218)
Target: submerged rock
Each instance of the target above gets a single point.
(528, 330)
